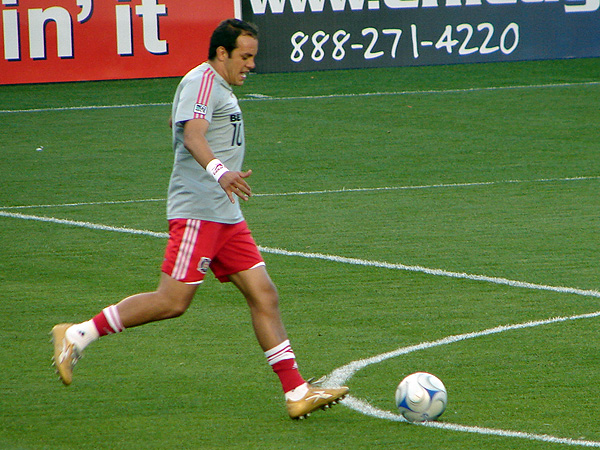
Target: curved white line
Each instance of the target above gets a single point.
(341, 375)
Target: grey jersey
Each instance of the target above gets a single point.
(193, 192)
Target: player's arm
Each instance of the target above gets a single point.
(194, 140)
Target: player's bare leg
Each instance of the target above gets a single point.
(171, 299)
(263, 300)
(261, 294)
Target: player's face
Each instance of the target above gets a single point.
(241, 60)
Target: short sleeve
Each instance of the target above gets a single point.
(196, 100)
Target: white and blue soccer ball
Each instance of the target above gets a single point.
(421, 396)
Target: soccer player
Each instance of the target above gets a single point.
(206, 225)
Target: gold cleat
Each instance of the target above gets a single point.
(66, 354)
(315, 398)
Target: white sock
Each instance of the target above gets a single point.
(296, 394)
(82, 334)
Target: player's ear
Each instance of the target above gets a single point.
(222, 53)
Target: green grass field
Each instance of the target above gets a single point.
(394, 207)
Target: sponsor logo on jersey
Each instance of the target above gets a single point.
(200, 109)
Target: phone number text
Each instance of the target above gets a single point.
(464, 39)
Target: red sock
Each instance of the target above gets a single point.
(283, 362)
(288, 373)
(108, 321)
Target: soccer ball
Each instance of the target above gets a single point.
(421, 396)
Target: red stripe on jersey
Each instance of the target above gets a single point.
(204, 92)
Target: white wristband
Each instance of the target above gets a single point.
(216, 169)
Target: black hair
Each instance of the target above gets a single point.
(226, 34)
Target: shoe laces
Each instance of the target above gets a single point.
(317, 381)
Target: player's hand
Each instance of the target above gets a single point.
(234, 183)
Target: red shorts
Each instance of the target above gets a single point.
(197, 245)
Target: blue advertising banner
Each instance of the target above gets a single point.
(300, 35)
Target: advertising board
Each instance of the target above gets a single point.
(73, 40)
(299, 35)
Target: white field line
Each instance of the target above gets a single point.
(81, 224)
(325, 257)
(429, 186)
(329, 191)
(437, 272)
(369, 410)
(80, 108)
(341, 375)
(66, 205)
(344, 373)
(426, 91)
(260, 97)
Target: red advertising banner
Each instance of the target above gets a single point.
(76, 40)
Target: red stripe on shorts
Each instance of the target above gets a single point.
(186, 249)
